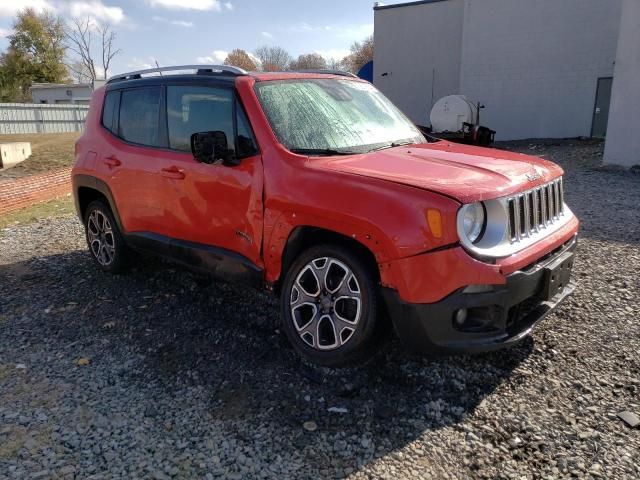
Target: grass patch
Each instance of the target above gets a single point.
(18, 436)
(52, 208)
(10, 447)
(48, 151)
(5, 369)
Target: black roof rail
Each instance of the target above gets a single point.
(328, 71)
(199, 69)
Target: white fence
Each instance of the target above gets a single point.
(41, 118)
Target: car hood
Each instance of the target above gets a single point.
(463, 172)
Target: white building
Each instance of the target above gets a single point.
(542, 68)
(61, 93)
(623, 141)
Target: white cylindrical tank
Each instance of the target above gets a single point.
(449, 113)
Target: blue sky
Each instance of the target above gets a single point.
(202, 31)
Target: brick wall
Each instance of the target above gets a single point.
(21, 192)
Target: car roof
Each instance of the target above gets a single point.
(219, 74)
(266, 76)
(182, 78)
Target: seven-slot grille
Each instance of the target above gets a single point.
(534, 210)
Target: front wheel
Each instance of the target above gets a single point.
(329, 306)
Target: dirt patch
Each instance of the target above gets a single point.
(53, 208)
(48, 152)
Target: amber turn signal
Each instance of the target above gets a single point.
(434, 219)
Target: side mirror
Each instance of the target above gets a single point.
(209, 147)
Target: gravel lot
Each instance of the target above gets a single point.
(154, 375)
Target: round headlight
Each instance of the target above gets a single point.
(473, 219)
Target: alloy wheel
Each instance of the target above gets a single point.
(101, 237)
(325, 303)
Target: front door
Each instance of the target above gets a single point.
(212, 204)
(601, 110)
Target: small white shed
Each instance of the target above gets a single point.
(61, 93)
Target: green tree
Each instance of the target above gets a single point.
(240, 58)
(8, 87)
(35, 54)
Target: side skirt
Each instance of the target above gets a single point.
(217, 262)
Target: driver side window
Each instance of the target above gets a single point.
(195, 109)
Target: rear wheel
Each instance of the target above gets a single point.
(329, 306)
(104, 239)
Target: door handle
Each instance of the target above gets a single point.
(112, 161)
(173, 172)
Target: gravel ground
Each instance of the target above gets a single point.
(154, 375)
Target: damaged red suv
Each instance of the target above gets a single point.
(316, 187)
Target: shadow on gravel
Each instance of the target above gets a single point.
(168, 333)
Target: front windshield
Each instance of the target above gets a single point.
(333, 115)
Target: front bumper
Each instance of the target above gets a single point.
(495, 319)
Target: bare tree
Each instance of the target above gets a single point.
(273, 59)
(309, 61)
(108, 38)
(78, 72)
(80, 36)
(361, 53)
(335, 64)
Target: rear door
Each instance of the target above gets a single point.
(127, 156)
(212, 204)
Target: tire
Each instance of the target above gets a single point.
(333, 323)
(105, 242)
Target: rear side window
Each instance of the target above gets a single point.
(193, 109)
(110, 111)
(139, 116)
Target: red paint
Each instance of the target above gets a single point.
(219, 200)
(380, 199)
(466, 173)
(451, 269)
(430, 277)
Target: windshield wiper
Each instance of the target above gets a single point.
(322, 151)
(392, 145)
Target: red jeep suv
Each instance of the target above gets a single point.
(316, 187)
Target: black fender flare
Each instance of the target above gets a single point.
(94, 183)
